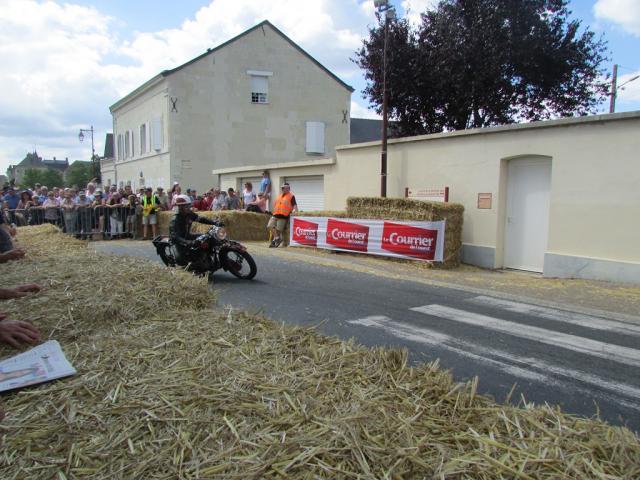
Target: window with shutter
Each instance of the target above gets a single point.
(259, 89)
(133, 149)
(315, 137)
(143, 139)
(157, 134)
(127, 144)
(120, 147)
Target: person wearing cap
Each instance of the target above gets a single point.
(163, 198)
(180, 229)
(150, 205)
(284, 206)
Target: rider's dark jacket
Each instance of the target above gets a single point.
(180, 230)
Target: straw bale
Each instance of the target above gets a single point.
(404, 209)
(180, 393)
(240, 225)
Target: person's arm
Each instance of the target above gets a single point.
(14, 254)
(16, 333)
(294, 204)
(206, 221)
(19, 291)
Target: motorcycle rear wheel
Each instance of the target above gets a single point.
(240, 264)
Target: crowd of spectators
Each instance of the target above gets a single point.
(117, 211)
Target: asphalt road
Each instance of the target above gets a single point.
(583, 363)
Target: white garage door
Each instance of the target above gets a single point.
(309, 192)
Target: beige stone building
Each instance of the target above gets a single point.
(253, 101)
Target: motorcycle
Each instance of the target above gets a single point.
(212, 251)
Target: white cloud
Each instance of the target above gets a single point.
(65, 64)
(631, 91)
(359, 111)
(625, 13)
(414, 8)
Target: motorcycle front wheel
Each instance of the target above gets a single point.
(240, 264)
(167, 256)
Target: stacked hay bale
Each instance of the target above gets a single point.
(240, 225)
(166, 388)
(404, 209)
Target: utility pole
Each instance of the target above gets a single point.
(614, 87)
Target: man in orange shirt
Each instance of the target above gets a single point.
(283, 207)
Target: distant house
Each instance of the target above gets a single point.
(33, 161)
(257, 101)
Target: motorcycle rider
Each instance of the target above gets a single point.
(184, 241)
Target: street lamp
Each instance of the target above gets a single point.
(383, 7)
(81, 138)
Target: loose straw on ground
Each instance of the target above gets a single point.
(167, 389)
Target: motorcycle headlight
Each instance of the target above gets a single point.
(220, 233)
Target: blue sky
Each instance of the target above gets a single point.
(64, 64)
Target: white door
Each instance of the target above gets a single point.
(309, 192)
(527, 222)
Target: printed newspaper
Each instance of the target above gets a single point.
(41, 364)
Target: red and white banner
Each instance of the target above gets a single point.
(415, 240)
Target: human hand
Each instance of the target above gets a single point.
(16, 333)
(14, 254)
(28, 287)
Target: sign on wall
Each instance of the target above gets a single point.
(414, 240)
(428, 194)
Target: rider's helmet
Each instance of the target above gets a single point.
(183, 202)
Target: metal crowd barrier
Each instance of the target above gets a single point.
(86, 222)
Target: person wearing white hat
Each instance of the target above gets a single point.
(180, 229)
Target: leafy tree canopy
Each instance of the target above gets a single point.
(49, 177)
(79, 174)
(476, 63)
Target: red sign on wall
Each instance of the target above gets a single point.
(347, 236)
(305, 232)
(409, 240)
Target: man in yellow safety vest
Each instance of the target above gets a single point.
(284, 206)
(150, 204)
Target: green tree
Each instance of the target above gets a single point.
(48, 177)
(31, 177)
(79, 173)
(475, 63)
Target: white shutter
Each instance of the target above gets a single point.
(259, 84)
(143, 139)
(315, 137)
(120, 147)
(148, 124)
(133, 149)
(157, 134)
(309, 192)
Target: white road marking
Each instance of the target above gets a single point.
(429, 337)
(628, 356)
(469, 350)
(588, 321)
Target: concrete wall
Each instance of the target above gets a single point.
(217, 126)
(595, 193)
